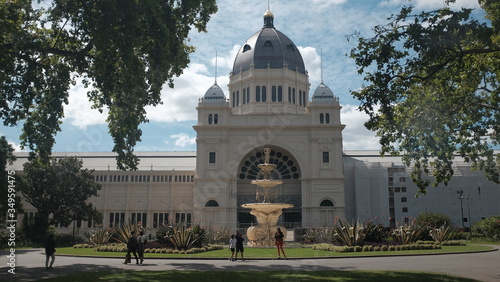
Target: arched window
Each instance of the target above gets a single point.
(326, 203)
(248, 94)
(300, 97)
(234, 99)
(211, 203)
(237, 98)
(273, 93)
(210, 119)
(257, 94)
(327, 118)
(293, 95)
(280, 94)
(216, 118)
(321, 118)
(244, 96)
(264, 94)
(289, 94)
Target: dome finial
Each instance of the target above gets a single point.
(268, 18)
(215, 67)
(321, 62)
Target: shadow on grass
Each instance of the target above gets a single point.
(252, 276)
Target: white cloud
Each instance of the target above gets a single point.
(355, 134)
(436, 4)
(182, 140)
(312, 60)
(79, 110)
(431, 4)
(17, 147)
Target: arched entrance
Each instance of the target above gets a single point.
(287, 170)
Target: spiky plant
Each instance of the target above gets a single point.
(182, 237)
(349, 233)
(442, 233)
(407, 233)
(100, 236)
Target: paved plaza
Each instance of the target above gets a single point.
(483, 266)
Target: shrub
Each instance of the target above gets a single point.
(376, 233)
(488, 228)
(358, 249)
(392, 248)
(384, 248)
(218, 235)
(432, 220)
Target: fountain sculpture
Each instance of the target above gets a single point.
(266, 212)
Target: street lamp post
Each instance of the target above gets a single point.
(460, 194)
(468, 211)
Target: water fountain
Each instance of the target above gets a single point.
(266, 212)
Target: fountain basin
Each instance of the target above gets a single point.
(267, 215)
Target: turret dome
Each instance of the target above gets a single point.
(214, 94)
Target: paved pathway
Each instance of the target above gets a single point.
(483, 266)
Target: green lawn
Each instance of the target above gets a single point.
(254, 276)
(265, 253)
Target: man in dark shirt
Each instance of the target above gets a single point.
(239, 245)
(50, 250)
(131, 248)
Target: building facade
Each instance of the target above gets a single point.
(268, 106)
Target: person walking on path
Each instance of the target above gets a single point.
(278, 237)
(239, 245)
(131, 248)
(232, 247)
(141, 244)
(50, 251)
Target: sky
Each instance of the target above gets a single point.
(319, 28)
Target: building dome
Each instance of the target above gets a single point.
(323, 93)
(214, 94)
(268, 48)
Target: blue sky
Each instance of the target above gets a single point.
(315, 26)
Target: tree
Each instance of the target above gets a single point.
(59, 191)
(8, 179)
(124, 50)
(433, 90)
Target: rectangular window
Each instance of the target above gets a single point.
(160, 219)
(211, 157)
(116, 219)
(405, 209)
(404, 199)
(139, 218)
(326, 157)
(183, 218)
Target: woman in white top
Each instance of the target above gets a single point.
(141, 243)
(232, 247)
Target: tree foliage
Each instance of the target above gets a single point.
(59, 191)
(123, 50)
(432, 90)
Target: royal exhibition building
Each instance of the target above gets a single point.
(269, 105)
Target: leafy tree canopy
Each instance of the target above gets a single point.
(126, 50)
(60, 190)
(432, 89)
